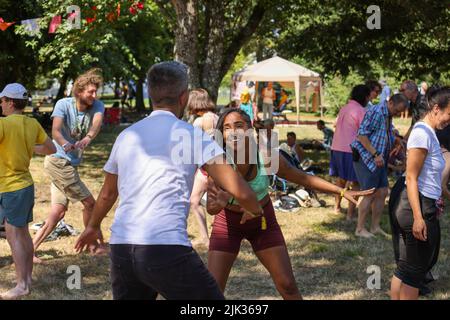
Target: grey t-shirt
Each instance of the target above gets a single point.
(76, 125)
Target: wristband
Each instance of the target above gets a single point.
(376, 154)
(343, 192)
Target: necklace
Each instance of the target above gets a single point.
(78, 129)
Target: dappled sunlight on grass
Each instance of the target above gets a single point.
(329, 262)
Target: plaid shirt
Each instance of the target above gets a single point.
(374, 126)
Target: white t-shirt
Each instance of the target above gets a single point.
(430, 178)
(156, 160)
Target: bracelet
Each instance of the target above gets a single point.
(89, 136)
(343, 192)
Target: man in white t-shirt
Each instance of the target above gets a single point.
(151, 169)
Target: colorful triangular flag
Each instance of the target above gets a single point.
(5, 25)
(31, 26)
(54, 24)
(92, 19)
(114, 15)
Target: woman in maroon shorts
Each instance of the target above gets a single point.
(263, 232)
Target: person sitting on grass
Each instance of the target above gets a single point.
(293, 148)
(19, 137)
(328, 134)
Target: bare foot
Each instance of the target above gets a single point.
(337, 210)
(379, 231)
(15, 293)
(37, 260)
(363, 234)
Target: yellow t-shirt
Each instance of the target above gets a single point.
(18, 136)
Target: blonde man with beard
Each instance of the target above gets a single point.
(77, 121)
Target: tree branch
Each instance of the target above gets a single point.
(242, 37)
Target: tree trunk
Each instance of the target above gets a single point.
(208, 66)
(140, 106)
(211, 76)
(186, 41)
(62, 88)
(116, 88)
(220, 58)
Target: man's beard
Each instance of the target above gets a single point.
(86, 102)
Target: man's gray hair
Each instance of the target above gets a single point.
(410, 85)
(166, 81)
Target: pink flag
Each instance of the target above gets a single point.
(54, 24)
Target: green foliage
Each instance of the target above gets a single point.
(337, 91)
(17, 62)
(123, 47)
(413, 40)
(240, 62)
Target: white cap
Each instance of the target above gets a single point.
(14, 91)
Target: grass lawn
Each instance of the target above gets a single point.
(329, 262)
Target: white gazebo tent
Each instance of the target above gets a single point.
(288, 74)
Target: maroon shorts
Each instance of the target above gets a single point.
(227, 232)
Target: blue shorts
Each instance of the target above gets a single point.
(368, 179)
(16, 207)
(341, 165)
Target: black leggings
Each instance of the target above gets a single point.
(414, 258)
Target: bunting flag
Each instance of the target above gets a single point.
(140, 5)
(133, 10)
(31, 26)
(54, 24)
(5, 25)
(92, 19)
(114, 16)
(136, 6)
